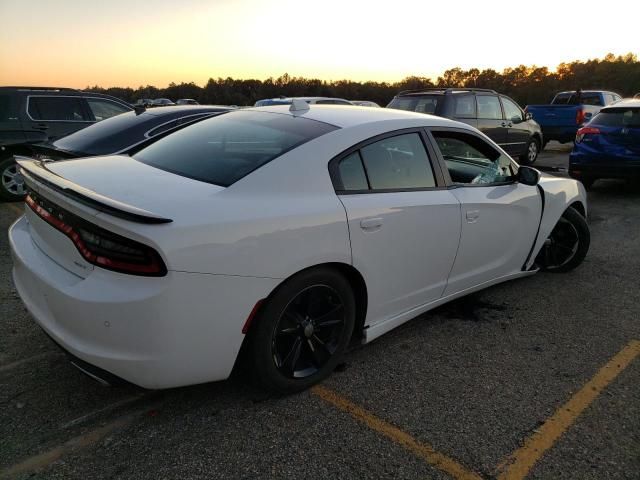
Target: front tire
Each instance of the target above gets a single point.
(12, 186)
(530, 154)
(567, 244)
(301, 334)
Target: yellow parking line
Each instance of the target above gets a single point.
(422, 450)
(519, 464)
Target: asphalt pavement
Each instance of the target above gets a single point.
(540, 374)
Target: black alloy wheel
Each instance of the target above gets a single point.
(567, 245)
(300, 335)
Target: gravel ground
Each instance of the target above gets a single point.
(473, 379)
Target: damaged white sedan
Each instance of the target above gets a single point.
(290, 231)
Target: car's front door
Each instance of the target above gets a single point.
(490, 118)
(499, 216)
(518, 133)
(403, 224)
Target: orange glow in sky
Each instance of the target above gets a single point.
(78, 43)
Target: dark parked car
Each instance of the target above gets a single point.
(162, 102)
(41, 114)
(143, 102)
(122, 134)
(609, 145)
(568, 111)
(497, 116)
(186, 101)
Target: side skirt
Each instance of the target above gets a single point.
(372, 332)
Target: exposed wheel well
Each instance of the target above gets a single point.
(579, 207)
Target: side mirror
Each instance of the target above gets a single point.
(528, 175)
(528, 116)
(517, 119)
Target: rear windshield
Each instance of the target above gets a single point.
(122, 131)
(420, 104)
(223, 149)
(618, 117)
(572, 99)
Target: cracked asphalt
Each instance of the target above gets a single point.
(473, 379)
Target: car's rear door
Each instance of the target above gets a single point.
(491, 120)
(518, 134)
(499, 216)
(57, 115)
(404, 225)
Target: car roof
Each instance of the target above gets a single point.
(625, 102)
(344, 116)
(586, 91)
(62, 91)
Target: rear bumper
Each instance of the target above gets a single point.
(583, 165)
(561, 134)
(176, 330)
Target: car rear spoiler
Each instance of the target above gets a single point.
(36, 171)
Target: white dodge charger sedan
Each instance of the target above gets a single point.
(289, 231)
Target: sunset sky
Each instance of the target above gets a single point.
(77, 43)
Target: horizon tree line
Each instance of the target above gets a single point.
(525, 84)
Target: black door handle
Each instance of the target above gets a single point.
(41, 126)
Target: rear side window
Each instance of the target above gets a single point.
(424, 104)
(465, 106)
(352, 173)
(399, 162)
(618, 117)
(68, 109)
(102, 109)
(223, 149)
(489, 107)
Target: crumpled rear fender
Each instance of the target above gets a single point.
(559, 194)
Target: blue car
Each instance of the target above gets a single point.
(609, 145)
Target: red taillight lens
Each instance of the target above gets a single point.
(97, 245)
(586, 131)
(580, 116)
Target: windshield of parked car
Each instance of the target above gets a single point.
(420, 104)
(617, 117)
(223, 149)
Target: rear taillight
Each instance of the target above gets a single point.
(586, 131)
(580, 116)
(97, 245)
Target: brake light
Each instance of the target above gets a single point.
(580, 116)
(586, 131)
(97, 245)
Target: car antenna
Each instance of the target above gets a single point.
(139, 108)
(298, 105)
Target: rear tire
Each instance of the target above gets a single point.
(12, 187)
(301, 334)
(530, 154)
(567, 244)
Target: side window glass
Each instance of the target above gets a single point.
(57, 108)
(465, 106)
(398, 162)
(471, 160)
(511, 110)
(102, 109)
(352, 173)
(489, 107)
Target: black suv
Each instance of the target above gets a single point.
(497, 116)
(40, 114)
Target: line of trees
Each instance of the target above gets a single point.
(527, 85)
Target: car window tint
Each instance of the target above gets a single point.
(102, 109)
(511, 110)
(223, 149)
(591, 99)
(465, 106)
(424, 104)
(398, 162)
(6, 112)
(489, 107)
(352, 173)
(57, 108)
(618, 117)
(471, 160)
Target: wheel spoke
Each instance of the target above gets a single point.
(291, 360)
(329, 319)
(319, 353)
